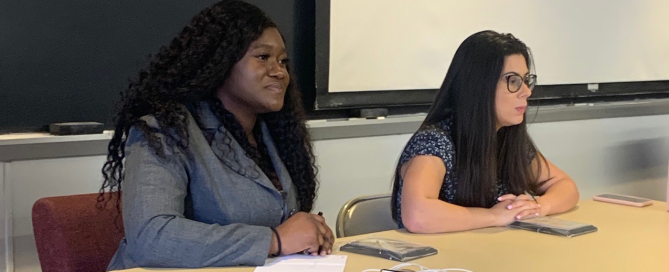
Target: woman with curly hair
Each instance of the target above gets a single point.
(211, 154)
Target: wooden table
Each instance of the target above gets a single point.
(629, 239)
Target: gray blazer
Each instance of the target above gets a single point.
(193, 208)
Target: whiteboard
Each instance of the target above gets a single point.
(408, 44)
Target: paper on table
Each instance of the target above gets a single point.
(305, 263)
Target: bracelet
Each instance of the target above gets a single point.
(278, 240)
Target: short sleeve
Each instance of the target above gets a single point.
(431, 142)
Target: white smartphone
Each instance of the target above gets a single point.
(624, 200)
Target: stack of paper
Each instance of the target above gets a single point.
(305, 263)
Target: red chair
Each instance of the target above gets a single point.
(73, 234)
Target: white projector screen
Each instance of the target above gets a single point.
(408, 44)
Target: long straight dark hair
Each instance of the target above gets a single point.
(467, 96)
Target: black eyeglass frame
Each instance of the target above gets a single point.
(530, 80)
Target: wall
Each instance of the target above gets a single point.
(620, 155)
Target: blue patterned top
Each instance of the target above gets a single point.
(435, 141)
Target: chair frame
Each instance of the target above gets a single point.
(341, 217)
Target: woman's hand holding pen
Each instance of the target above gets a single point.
(304, 232)
(530, 207)
(328, 237)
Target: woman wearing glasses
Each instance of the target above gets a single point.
(472, 163)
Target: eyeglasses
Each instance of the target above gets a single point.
(514, 81)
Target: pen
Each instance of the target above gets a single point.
(306, 251)
(320, 247)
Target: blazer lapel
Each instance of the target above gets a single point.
(229, 151)
(279, 167)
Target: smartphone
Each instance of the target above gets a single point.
(624, 200)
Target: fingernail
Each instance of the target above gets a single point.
(499, 198)
(508, 207)
(538, 205)
(537, 214)
(517, 216)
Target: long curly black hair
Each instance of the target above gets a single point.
(192, 68)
